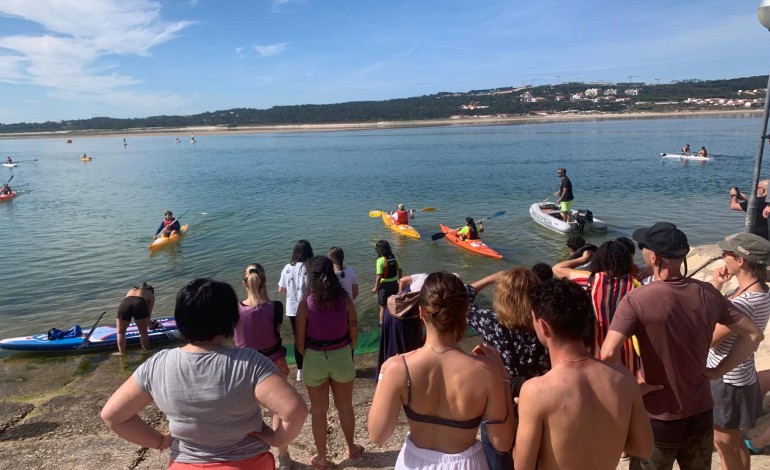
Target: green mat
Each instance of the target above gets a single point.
(368, 342)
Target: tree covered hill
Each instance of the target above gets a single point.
(509, 101)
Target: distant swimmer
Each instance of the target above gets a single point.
(686, 150)
(401, 216)
(703, 153)
(177, 140)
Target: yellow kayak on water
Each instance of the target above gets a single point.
(161, 241)
(403, 229)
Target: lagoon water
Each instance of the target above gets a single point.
(75, 238)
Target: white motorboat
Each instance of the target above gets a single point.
(548, 215)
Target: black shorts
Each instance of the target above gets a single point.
(133, 307)
(387, 288)
(736, 407)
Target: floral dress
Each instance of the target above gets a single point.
(522, 353)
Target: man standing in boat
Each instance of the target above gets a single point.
(565, 195)
(169, 225)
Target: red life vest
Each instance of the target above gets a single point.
(167, 222)
(402, 217)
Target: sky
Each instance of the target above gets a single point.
(77, 59)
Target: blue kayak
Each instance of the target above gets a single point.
(162, 330)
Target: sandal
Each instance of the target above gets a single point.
(315, 463)
(359, 452)
(753, 450)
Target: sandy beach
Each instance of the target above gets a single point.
(49, 413)
(462, 121)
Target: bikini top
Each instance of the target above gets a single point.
(421, 418)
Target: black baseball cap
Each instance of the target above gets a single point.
(664, 239)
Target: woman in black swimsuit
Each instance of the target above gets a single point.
(445, 393)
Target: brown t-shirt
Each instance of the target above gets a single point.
(674, 322)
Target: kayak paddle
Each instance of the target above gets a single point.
(24, 161)
(175, 219)
(9, 179)
(440, 235)
(91, 331)
(424, 209)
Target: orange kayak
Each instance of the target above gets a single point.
(160, 242)
(403, 229)
(476, 246)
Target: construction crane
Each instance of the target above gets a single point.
(631, 78)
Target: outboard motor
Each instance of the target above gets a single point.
(583, 217)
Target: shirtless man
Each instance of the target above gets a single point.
(583, 413)
(686, 149)
(740, 202)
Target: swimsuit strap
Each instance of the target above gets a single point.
(408, 382)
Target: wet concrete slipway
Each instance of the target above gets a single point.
(50, 404)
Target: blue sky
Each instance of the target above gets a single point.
(74, 59)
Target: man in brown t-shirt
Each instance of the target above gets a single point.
(673, 319)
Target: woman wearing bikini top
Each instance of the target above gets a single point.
(431, 384)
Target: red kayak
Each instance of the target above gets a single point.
(7, 197)
(475, 246)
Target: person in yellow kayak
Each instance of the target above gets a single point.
(470, 231)
(169, 225)
(401, 216)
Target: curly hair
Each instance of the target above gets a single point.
(445, 302)
(613, 259)
(511, 303)
(565, 306)
(323, 284)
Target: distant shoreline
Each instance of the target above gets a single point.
(465, 121)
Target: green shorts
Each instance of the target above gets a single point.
(566, 206)
(321, 366)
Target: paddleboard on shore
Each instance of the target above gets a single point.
(162, 329)
(681, 156)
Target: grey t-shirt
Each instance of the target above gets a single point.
(209, 401)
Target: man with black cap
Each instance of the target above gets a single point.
(673, 319)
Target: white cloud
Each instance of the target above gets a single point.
(80, 35)
(239, 51)
(269, 50)
(278, 4)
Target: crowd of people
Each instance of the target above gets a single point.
(581, 363)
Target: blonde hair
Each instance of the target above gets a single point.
(511, 303)
(254, 279)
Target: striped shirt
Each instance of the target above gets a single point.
(757, 306)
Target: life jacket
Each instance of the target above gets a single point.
(473, 232)
(402, 217)
(391, 267)
(167, 222)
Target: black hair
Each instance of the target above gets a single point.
(628, 243)
(542, 271)
(145, 286)
(576, 241)
(383, 249)
(302, 252)
(565, 306)
(338, 257)
(613, 259)
(206, 308)
(323, 284)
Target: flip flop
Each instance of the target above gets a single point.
(315, 463)
(752, 450)
(358, 453)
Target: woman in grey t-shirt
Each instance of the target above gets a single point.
(210, 393)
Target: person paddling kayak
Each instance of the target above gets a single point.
(401, 216)
(169, 225)
(470, 231)
(6, 189)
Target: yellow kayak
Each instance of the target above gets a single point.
(161, 241)
(406, 230)
(85, 159)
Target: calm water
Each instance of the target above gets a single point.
(76, 236)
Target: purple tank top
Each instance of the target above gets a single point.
(329, 324)
(256, 329)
